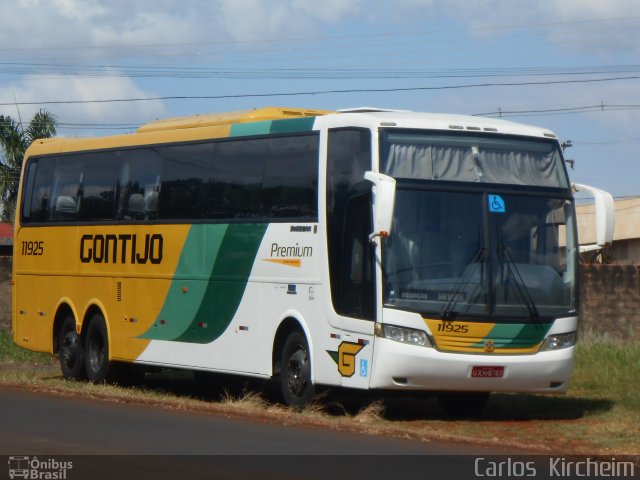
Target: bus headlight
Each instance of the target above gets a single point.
(558, 341)
(410, 336)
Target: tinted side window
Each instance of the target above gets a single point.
(36, 193)
(267, 178)
(139, 184)
(358, 286)
(186, 175)
(238, 168)
(99, 186)
(66, 189)
(291, 177)
(348, 157)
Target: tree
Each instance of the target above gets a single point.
(15, 139)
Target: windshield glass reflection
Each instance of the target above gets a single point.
(450, 254)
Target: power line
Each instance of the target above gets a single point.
(321, 37)
(306, 73)
(603, 107)
(301, 44)
(608, 142)
(563, 110)
(321, 92)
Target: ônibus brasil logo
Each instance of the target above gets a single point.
(36, 469)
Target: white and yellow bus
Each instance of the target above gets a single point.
(366, 249)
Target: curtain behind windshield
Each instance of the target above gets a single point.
(425, 156)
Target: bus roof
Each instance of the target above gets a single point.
(218, 125)
(375, 118)
(230, 118)
(372, 117)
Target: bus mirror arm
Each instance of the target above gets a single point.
(605, 216)
(384, 195)
(374, 235)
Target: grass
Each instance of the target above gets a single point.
(599, 414)
(609, 370)
(11, 353)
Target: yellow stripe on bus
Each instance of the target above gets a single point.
(289, 262)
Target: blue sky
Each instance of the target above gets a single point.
(572, 65)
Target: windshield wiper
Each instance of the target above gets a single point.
(521, 287)
(477, 260)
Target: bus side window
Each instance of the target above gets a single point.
(139, 185)
(290, 183)
(99, 187)
(151, 193)
(37, 194)
(357, 269)
(186, 175)
(238, 171)
(352, 286)
(27, 196)
(66, 190)
(123, 192)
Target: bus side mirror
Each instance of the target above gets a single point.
(384, 196)
(605, 216)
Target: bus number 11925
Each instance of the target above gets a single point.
(450, 327)
(32, 248)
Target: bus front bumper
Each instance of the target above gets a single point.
(399, 366)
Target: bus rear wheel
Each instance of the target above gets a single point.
(295, 372)
(70, 350)
(98, 367)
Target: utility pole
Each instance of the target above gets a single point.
(567, 144)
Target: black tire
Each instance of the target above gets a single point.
(70, 350)
(463, 405)
(296, 388)
(98, 367)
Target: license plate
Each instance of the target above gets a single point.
(487, 372)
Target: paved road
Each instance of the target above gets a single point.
(187, 445)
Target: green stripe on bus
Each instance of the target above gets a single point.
(228, 282)
(516, 335)
(292, 125)
(196, 262)
(252, 128)
(206, 310)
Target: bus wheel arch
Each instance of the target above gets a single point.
(286, 327)
(292, 368)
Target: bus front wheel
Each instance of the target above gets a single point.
(295, 372)
(70, 350)
(97, 364)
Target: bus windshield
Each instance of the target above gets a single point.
(457, 253)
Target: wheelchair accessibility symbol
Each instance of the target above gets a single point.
(496, 204)
(364, 368)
